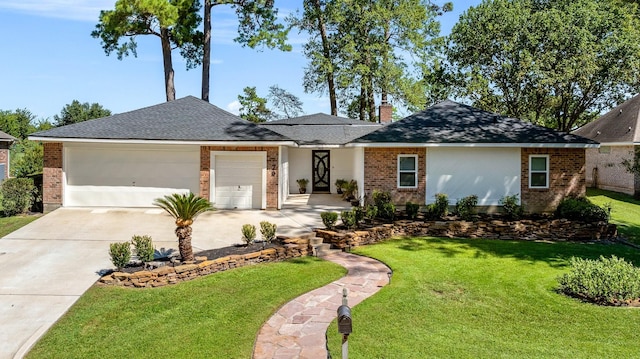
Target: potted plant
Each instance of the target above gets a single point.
(350, 190)
(302, 184)
(340, 184)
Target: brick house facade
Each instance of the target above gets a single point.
(380, 173)
(52, 185)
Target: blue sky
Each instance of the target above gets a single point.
(49, 59)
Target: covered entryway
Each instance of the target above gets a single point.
(127, 175)
(238, 179)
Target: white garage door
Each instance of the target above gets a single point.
(489, 173)
(128, 176)
(237, 179)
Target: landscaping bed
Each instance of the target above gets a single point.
(221, 260)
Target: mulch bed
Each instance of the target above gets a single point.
(209, 253)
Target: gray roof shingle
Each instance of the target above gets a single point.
(321, 129)
(450, 122)
(185, 119)
(5, 137)
(617, 125)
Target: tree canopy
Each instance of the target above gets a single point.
(287, 104)
(362, 49)
(253, 107)
(175, 22)
(78, 112)
(557, 63)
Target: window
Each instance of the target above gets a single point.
(539, 171)
(407, 171)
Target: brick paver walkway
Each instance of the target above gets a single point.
(298, 329)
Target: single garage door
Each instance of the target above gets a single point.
(128, 176)
(237, 179)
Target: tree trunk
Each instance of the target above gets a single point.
(326, 52)
(184, 243)
(168, 64)
(206, 58)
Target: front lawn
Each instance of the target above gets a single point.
(10, 224)
(217, 316)
(625, 211)
(471, 298)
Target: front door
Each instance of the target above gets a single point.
(321, 171)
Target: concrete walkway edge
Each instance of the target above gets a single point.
(298, 329)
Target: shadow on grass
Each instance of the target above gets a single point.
(555, 254)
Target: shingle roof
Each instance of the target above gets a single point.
(450, 122)
(5, 137)
(321, 129)
(185, 119)
(617, 125)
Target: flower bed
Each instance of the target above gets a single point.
(158, 277)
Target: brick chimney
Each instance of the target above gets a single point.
(385, 113)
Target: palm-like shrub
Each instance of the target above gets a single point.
(184, 208)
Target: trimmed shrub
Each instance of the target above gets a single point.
(382, 201)
(268, 231)
(380, 198)
(329, 219)
(144, 248)
(412, 210)
(581, 209)
(466, 207)
(371, 211)
(439, 208)
(120, 254)
(348, 218)
(611, 281)
(511, 208)
(358, 213)
(17, 195)
(248, 233)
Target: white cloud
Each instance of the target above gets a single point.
(234, 107)
(82, 10)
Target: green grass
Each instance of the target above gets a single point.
(453, 298)
(217, 316)
(10, 224)
(625, 211)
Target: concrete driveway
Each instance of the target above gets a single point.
(48, 264)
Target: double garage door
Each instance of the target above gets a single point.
(133, 176)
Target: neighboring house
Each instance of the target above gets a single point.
(5, 142)
(619, 136)
(127, 160)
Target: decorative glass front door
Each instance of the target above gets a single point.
(321, 171)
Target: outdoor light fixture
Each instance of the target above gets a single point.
(390, 274)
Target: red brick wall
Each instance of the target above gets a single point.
(4, 158)
(381, 173)
(566, 176)
(273, 171)
(52, 176)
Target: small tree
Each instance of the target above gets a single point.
(184, 208)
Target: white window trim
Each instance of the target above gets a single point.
(546, 157)
(415, 171)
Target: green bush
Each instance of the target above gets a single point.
(380, 198)
(143, 246)
(371, 211)
(604, 281)
(466, 207)
(329, 219)
(348, 218)
(17, 195)
(511, 207)
(120, 254)
(412, 210)
(268, 231)
(358, 213)
(581, 209)
(248, 233)
(439, 208)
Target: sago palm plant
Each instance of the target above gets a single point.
(184, 208)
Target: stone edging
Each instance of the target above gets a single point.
(541, 229)
(290, 248)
